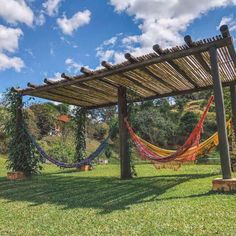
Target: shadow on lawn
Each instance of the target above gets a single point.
(105, 193)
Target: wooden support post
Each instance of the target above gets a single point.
(220, 116)
(233, 117)
(233, 106)
(124, 157)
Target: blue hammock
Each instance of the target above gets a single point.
(86, 161)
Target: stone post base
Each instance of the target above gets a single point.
(224, 185)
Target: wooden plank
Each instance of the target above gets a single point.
(220, 116)
(142, 64)
(125, 168)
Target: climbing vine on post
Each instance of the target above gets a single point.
(80, 118)
(131, 114)
(22, 155)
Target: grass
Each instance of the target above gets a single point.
(98, 203)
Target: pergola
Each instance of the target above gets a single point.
(196, 66)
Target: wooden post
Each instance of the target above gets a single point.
(233, 106)
(220, 116)
(233, 118)
(124, 157)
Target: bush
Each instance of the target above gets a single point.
(61, 151)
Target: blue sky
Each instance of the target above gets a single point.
(41, 39)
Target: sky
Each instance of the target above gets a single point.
(42, 39)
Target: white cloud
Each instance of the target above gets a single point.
(9, 38)
(160, 21)
(72, 66)
(69, 25)
(228, 20)
(10, 62)
(110, 41)
(56, 77)
(52, 6)
(40, 19)
(105, 55)
(13, 11)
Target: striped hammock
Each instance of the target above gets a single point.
(187, 152)
(86, 161)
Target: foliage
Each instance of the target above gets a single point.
(80, 119)
(22, 155)
(59, 149)
(101, 131)
(4, 139)
(154, 126)
(187, 124)
(32, 123)
(46, 117)
(108, 152)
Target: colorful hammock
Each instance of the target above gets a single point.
(187, 152)
(86, 161)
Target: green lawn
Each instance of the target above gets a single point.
(98, 203)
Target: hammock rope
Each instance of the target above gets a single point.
(86, 161)
(187, 152)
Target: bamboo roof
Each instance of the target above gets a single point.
(178, 70)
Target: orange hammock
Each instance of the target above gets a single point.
(187, 152)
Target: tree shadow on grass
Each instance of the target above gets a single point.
(104, 193)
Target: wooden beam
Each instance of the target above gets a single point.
(197, 55)
(220, 116)
(47, 81)
(125, 167)
(30, 85)
(141, 64)
(225, 33)
(106, 64)
(161, 52)
(86, 71)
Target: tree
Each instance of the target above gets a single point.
(46, 117)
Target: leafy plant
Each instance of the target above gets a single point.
(80, 119)
(22, 155)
